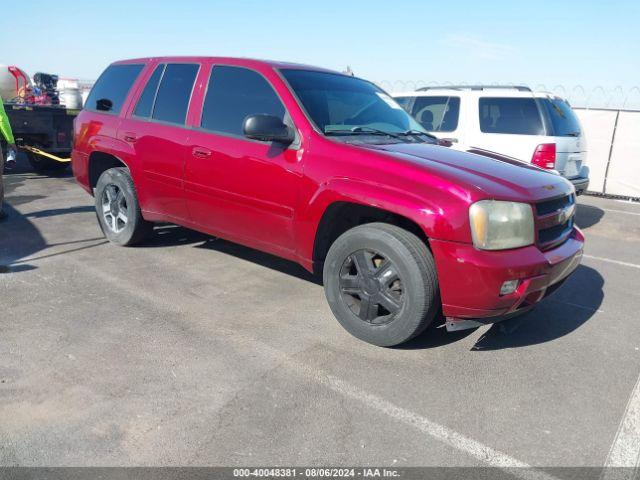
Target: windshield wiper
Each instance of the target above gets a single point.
(418, 132)
(363, 130)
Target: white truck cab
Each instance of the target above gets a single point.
(534, 127)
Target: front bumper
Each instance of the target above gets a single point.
(580, 184)
(470, 279)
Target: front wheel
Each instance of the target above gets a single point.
(381, 284)
(118, 209)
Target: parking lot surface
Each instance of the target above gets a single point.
(189, 350)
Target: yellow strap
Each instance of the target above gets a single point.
(37, 151)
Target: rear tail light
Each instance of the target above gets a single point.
(545, 156)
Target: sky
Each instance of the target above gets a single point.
(543, 44)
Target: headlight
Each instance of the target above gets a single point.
(499, 225)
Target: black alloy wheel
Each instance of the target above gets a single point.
(371, 287)
(381, 284)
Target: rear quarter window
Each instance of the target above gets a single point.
(516, 116)
(404, 102)
(563, 121)
(112, 88)
(437, 114)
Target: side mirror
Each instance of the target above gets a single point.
(267, 128)
(104, 104)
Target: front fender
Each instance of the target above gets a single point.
(440, 218)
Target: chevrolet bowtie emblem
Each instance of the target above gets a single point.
(566, 213)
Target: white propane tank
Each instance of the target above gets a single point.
(66, 82)
(8, 83)
(71, 98)
(69, 92)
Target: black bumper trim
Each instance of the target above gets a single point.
(580, 184)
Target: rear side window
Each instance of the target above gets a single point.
(145, 102)
(519, 116)
(404, 102)
(437, 114)
(174, 93)
(563, 121)
(110, 91)
(233, 94)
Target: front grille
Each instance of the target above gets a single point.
(551, 234)
(554, 220)
(550, 206)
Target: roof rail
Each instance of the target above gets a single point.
(520, 88)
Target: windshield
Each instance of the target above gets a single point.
(564, 121)
(341, 104)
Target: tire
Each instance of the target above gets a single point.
(393, 270)
(43, 164)
(118, 209)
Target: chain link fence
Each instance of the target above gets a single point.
(615, 98)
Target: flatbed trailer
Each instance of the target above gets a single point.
(42, 129)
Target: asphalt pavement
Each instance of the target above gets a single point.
(190, 350)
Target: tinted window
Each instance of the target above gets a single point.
(113, 86)
(172, 100)
(145, 103)
(563, 120)
(403, 102)
(234, 93)
(510, 115)
(437, 114)
(339, 103)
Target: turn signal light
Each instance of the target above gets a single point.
(545, 156)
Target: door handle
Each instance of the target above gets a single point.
(130, 137)
(201, 152)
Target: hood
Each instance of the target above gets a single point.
(494, 176)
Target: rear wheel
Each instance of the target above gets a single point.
(381, 283)
(118, 209)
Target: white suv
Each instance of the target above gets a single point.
(535, 127)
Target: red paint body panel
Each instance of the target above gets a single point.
(470, 279)
(244, 189)
(158, 154)
(273, 198)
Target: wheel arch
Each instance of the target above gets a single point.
(342, 215)
(343, 203)
(99, 162)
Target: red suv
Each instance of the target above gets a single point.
(326, 170)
